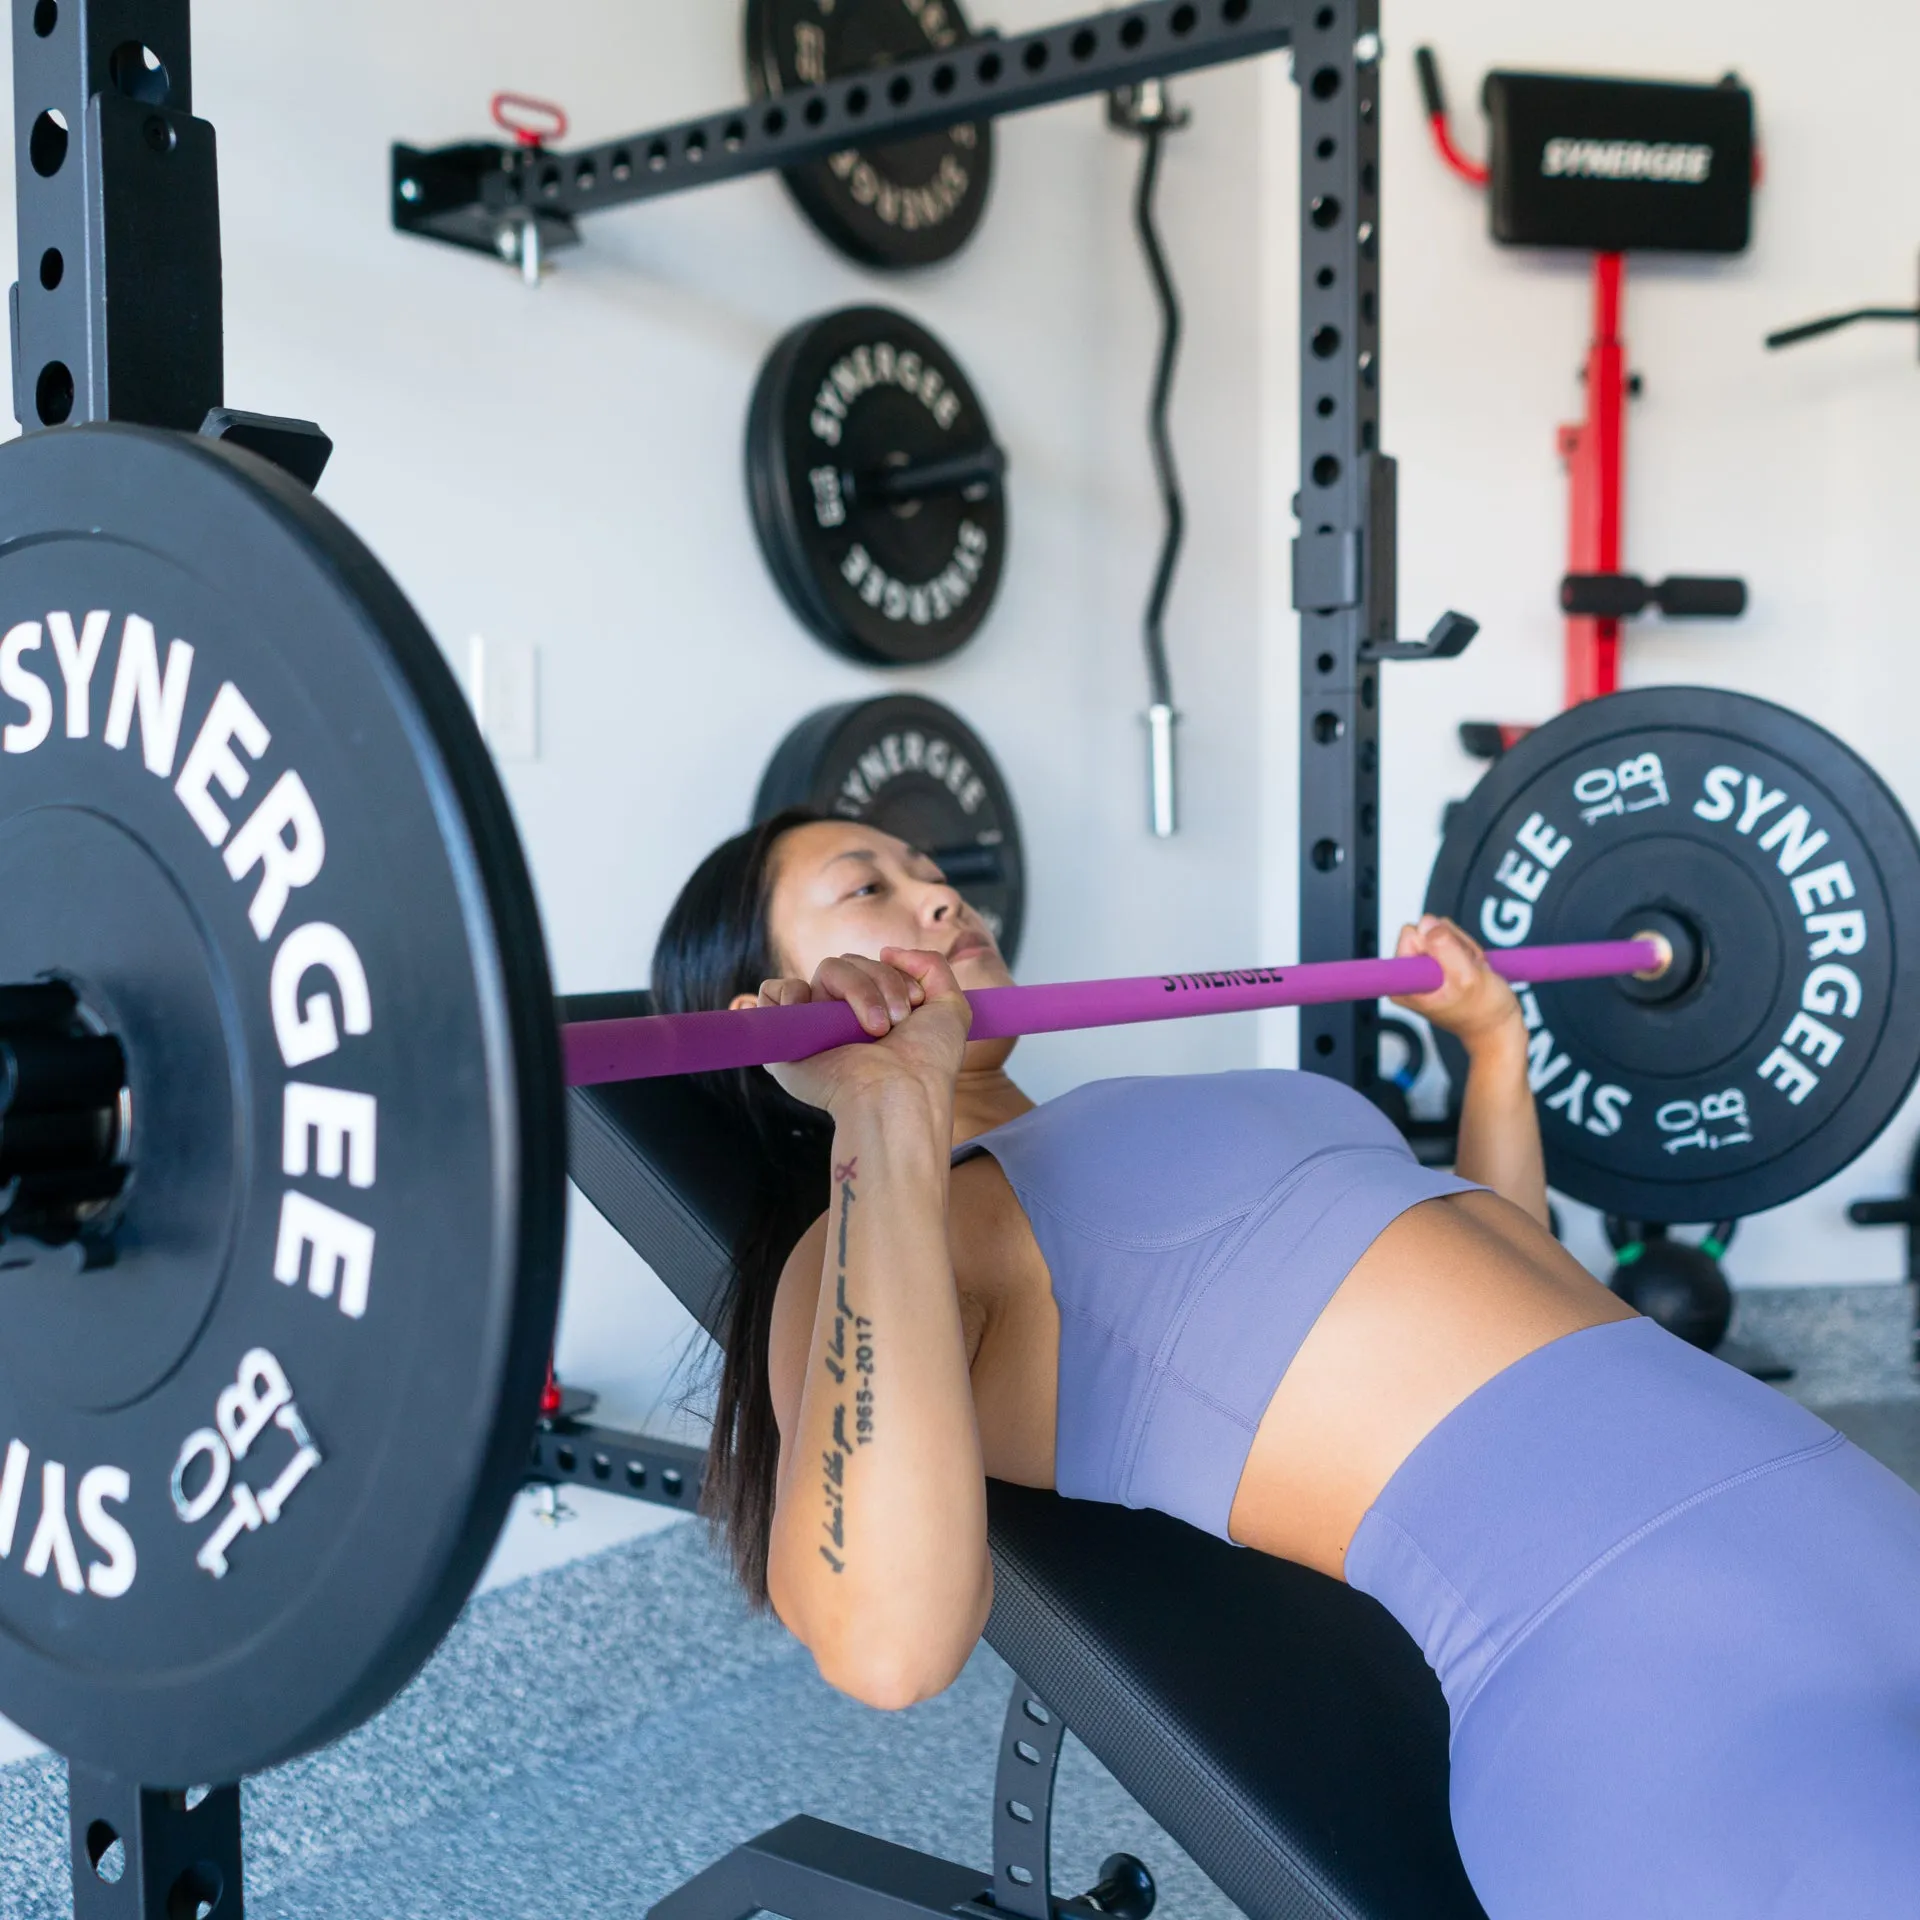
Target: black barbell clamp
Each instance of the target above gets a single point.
(64, 1122)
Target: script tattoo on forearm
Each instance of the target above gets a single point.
(848, 1359)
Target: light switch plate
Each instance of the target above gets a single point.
(503, 682)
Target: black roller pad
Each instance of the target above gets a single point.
(1620, 166)
(251, 1464)
(1787, 878)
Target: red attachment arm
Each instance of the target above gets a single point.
(1428, 68)
(531, 121)
(1470, 171)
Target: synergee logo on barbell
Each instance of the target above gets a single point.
(1671, 163)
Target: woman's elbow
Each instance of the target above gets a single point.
(891, 1679)
(887, 1669)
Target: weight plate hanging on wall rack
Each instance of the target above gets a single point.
(908, 204)
(915, 769)
(282, 1144)
(877, 489)
(1787, 879)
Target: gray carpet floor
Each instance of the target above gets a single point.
(589, 1738)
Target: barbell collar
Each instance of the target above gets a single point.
(45, 1005)
(62, 1089)
(58, 1073)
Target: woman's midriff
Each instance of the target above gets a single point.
(1453, 1292)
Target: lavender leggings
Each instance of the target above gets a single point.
(1677, 1619)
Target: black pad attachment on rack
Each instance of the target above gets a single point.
(909, 204)
(877, 488)
(1786, 878)
(1620, 166)
(278, 1311)
(915, 769)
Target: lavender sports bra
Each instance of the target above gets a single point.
(1194, 1227)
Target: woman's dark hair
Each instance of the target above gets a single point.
(716, 943)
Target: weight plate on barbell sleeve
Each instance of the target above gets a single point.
(844, 406)
(250, 1469)
(915, 769)
(910, 203)
(1786, 876)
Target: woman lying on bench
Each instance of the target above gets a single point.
(1676, 1617)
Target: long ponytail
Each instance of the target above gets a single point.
(717, 943)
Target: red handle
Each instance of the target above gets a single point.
(1435, 101)
(1469, 170)
(533, 122)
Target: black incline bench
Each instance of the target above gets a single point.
(1281, 1727)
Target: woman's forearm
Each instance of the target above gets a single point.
(1499, 1126)
(879, 1553)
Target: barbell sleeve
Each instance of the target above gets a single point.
(656, 1046)
(949, 473)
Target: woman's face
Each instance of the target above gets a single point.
(842, 888)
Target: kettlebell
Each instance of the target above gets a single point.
(1676, 1284)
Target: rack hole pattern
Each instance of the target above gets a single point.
(629, 1464)
(846, 102)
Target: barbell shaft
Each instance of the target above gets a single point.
(656, 1046)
